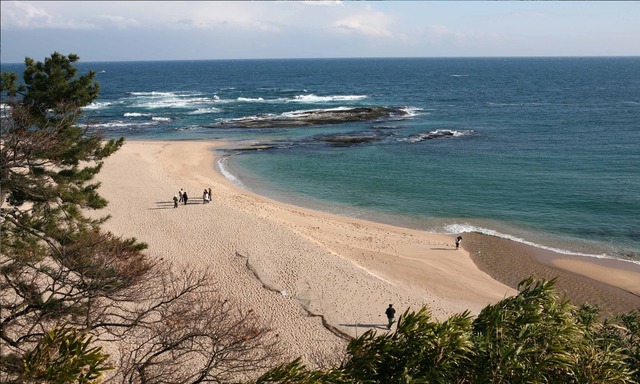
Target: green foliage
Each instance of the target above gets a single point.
(51, 88)
(527, 338)
(419, 349)
(56, 264)
(295, 373)
(65, 356)
(533, 337)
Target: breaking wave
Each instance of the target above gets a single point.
(438, 134)
(311, 98)
(462, 228)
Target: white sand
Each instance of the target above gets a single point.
(344, 269)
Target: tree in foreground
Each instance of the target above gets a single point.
(533, 337)
(66, 282)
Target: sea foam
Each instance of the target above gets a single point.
(461, 228)
(222, 165)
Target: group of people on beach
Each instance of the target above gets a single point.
(206, 196)
(182, 197)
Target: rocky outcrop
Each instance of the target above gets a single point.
(313, 117)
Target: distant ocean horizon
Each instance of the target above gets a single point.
(543, 150)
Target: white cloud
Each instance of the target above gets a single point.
(237, 16)
(325, 3)
(440, 32)
(24, 15)
(21, 15)
(315, 28)
(118, 21)
(368, 22)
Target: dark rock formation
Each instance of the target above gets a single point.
(313, 117)
(349, 140)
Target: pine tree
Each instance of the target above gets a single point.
(56, 264)
(66, 284)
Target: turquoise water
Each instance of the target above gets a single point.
(542, 150)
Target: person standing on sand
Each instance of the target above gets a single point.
(210, 197)
(175, 201)
(181, 195)
(205, 196)
(458, 241)
(185, 197)
(391, 314)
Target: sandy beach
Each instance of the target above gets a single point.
(317, 277)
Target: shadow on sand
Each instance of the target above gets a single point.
(169, 204)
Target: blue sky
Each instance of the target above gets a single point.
(165, 30)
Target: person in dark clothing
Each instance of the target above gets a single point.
(458, 241)
(391, 314)
(185, 197)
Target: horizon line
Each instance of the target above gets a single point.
(350, 58)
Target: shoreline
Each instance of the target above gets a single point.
(313, 276)
(398, 220)
(610, 277)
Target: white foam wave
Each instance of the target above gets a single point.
(121, 124)
(217, 100)
(299, 112)
(136, 114)
(155, 99)
(438, 133)
(203, 111)
(311, 98)
(461, 228)
(222, 165)
(158, 118)
(412, 111)
(250, 99)
(288, 115)
(172, 102)
(97, 105)
(155, 94)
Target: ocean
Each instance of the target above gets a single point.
(545, 151)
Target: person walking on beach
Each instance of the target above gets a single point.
(205, 196)
(181, 195)
(458, 241)
(391, 314)
(210, 197)
(175, 201)
(185, 197)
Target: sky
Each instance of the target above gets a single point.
(202, 30)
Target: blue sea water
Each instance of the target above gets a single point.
(542, 150)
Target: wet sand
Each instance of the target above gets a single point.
(613, 285)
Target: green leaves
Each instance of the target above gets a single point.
(533, 337)
(53, 88)
(65, 356)
(56, 264)
(419, 350)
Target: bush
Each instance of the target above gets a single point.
(533, 337)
